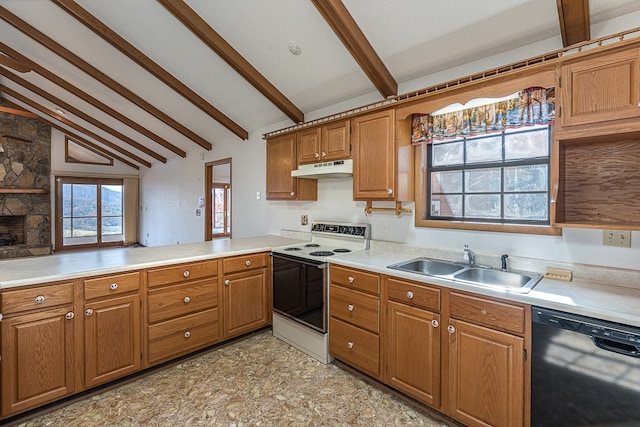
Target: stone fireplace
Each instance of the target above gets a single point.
(25, 201)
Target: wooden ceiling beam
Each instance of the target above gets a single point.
(98, 75)
(346, 28)
(8, 61)
(18, 112)
(575, 25)
(52, 114)
(223, 49)
(93, 101)
(81, 114)
(113, 38)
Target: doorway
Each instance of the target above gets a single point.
(218, 199)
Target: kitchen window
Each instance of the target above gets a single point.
(497, 181)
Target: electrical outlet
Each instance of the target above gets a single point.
(304, 219)
(620, 238)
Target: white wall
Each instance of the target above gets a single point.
(170, 193)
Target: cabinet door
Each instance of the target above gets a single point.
(37, 359)
(414, 352)
(308, 146)
(336, 141)
(246, 302)
(111, 339)
(374, 163)
(601, 89)
(486, 376)
(281, 160)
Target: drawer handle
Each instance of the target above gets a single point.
(185, 274)
(70, 315)
(435, 323)
(483, 311)
(88, 312)
(187, 334)
(350, 307)
(227, 282)
(114, 286)
(187, 300)
(451, 329)
(350, 279)
(247, 263)
(40, 299)
(349, 344)
(409, 294)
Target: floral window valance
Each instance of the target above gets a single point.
(531, 106)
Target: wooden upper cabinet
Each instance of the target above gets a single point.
(308, 145)
(324, 143)
(383, 157)
(281, 160)
(601, 89)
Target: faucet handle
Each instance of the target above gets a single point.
(503, 261)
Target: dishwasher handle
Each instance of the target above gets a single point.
(617, 347)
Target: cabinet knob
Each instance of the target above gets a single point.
(114, 286)
(227, 282)
(316, 155)
(324, 154)
(349, 344)
(350, 279)
(187, 334)
(451, 329)
(293, 194)
(483, 311)
(185, 274)
(187, 300)
(247, 263)
(409, 294)
(389, 190)
(40, 299)
(350, 307)
(435, 323)
(88, 312)
(70, 315)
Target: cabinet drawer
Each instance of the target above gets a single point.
(178, 300)
(355, 307)
(182, 335)
(487, 312)
(415, 294)
(35, 297)
(111, 285)
(244, 262)
(355, 346)
(182, 273)
(355, 279)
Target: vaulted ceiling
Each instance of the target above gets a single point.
(149, 80)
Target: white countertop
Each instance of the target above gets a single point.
(70, 265)
(605, 301)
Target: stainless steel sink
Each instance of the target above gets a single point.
(507, 280)
(428, 266)
(512, 281)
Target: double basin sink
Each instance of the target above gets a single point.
(486, 277)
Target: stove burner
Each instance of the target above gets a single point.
(312, 245)
(292, 249)
(321, 253)
(341, 250)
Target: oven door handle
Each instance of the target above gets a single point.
(319, 264)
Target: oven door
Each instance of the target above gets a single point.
(299, 290)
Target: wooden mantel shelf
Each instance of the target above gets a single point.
(24, 191)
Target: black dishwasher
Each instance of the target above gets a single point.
(584, 371)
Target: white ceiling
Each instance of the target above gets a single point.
(413, 38)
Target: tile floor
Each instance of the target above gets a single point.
(259, 381)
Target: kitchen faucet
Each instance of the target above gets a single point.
(503, 260)
(469, 255)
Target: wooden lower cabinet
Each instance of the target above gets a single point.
(38, 356)
(246, 302)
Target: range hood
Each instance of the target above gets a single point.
(335, 169)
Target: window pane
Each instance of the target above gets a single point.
(525, 145)
(446, 182)
(85, 227)
(526, 178)
(448, 153)
(446, 205)
(111, 225)
(66, 227)
(111, 199)
(482, 206)
(66, 200)
(482, 180)
(526, 206)
(484, 149)
(84, 201)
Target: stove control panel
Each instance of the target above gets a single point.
(355, 230)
